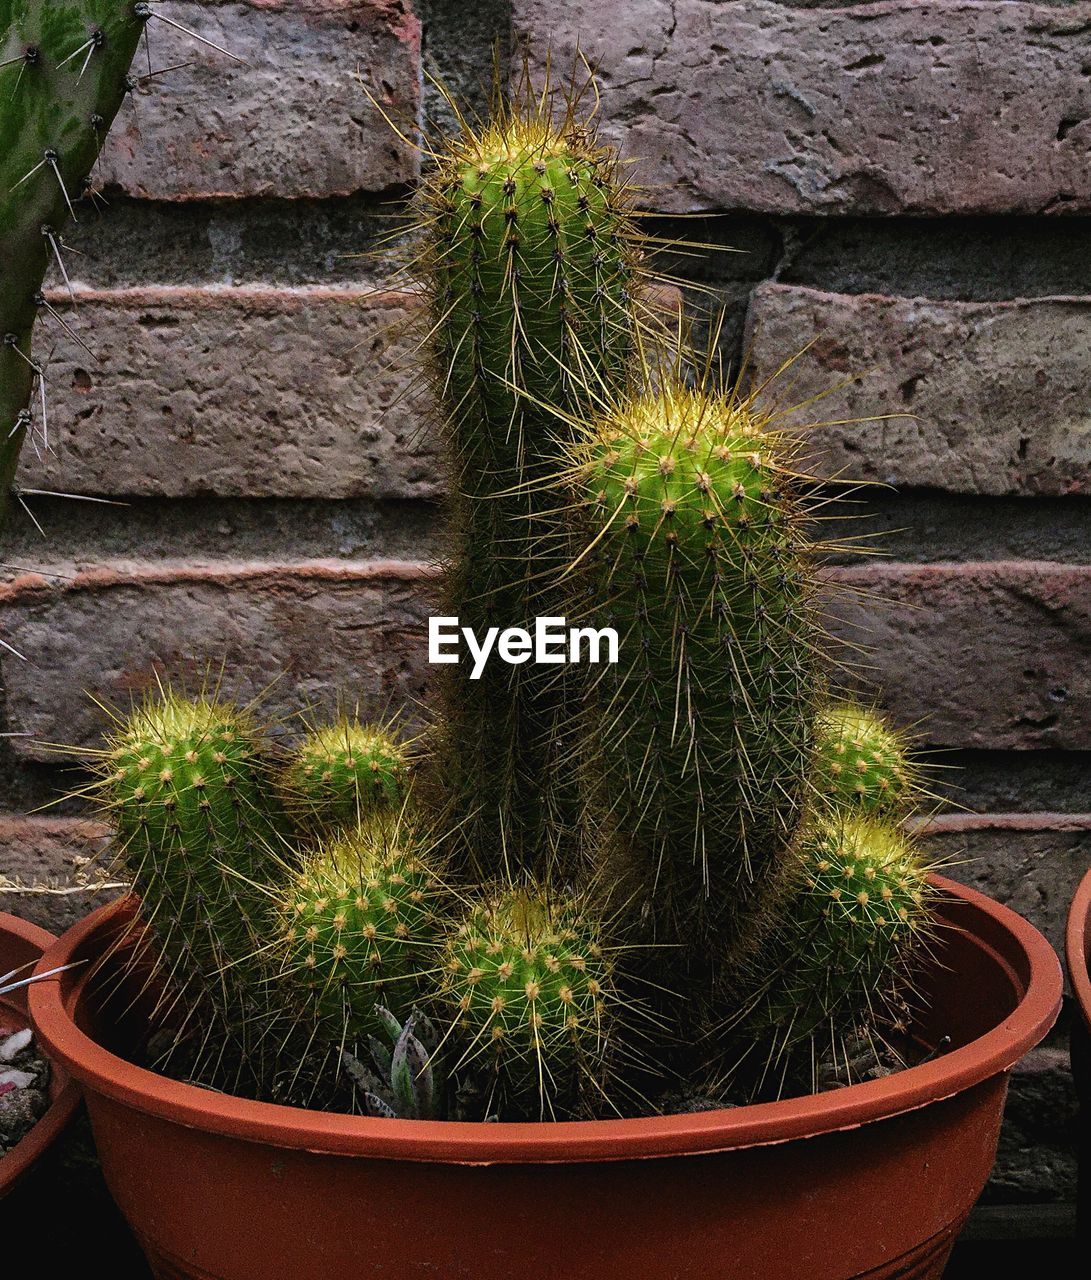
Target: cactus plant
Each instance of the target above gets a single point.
(844, 944)
(186, 782)
(533, 273)
(531, 991)
(698, 740)
(357, 929)
(860, 762)
(341, 773)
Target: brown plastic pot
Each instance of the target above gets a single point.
(22, 944)
(1078, 955)
(869, 1181)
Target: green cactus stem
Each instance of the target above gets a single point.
(532, 269)
(843, 951)
(531, 995)
(64, 68)
(698, 741)
(187, 783)
(340, 774)
(357, 928)
(861, 764)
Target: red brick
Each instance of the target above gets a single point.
(933, 107)
(293, 120)
(309, 633)
(53, 870)
(991, 655)
(990, 397)
(237, 391)
(1031, 862)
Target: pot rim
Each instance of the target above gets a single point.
(473, 1143)
(1077, 947)
(66, 1094)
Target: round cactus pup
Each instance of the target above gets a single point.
(860, 763)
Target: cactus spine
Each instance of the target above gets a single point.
(698, 740)
(63, 75)
(531, 993)
(861, 764)
(187, 784)
(357, 928)
(343, 773)
(530, 271)
(844, 945)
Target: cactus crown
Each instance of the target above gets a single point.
(861, 762)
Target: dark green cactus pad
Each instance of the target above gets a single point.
(341, 774)
(531, 993)
(699, 739)
(861, 764)
(358, 928)
(531, 268)
(63, 75)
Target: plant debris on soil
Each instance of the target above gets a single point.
(24, 1086)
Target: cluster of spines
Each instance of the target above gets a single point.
(358, 927)
(845, 945)
(530, 990)
(531, 267)
(343, 773)
(861, 763)
(186, 781)
(698, 740)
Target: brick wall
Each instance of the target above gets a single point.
(907, 183)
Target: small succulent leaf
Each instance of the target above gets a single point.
(380, 1055)
(401, 1076)
(364, 1080)
(424, 1085)
(425, 1031)
(391, 1025)
(377, 1108)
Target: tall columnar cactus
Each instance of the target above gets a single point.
(64, 68)
(843, 948)
(343, 773)
(531, 991)
(861, 763)
(697, 742)
(532, 265)
(357, 929)
(187, 785)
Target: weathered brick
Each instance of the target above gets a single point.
(291, 120)
(311, 634)
(987, 655)
(979, 655)
(931, 107)
(1032, 862)
(52, 870)
(990, 398)
(237, 391)
(1036, 1159)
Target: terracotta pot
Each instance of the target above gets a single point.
(873, 1180)
(1078, 955)
(22, 944)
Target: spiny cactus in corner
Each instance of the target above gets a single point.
(341, 773)
(357, 928)
(64, 73)
(697, 743)
(532, 268)
(531, 994)
(844, 947)
(861, 764)
(186, 781)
